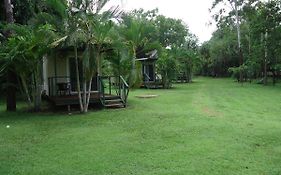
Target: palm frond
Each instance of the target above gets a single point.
(58, 6)
(58, 41)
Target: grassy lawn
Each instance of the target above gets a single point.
(213, 126)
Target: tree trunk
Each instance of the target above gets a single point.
(78, 79)
(37, 89)
(84, 95)
(25, 88)
(265, 58)
(133, 71)
(11, 91)
(239, 39)
(9, 11)
(89, 94)
(99, 61)
(11, 76)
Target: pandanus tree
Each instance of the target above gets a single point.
(118, 57)
(135, 34)
(25, 46)
(25, 51)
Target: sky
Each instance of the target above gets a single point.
(195, 13)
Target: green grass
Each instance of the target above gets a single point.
(213, 126)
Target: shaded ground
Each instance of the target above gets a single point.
(213, 126)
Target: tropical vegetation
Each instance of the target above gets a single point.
(256, 26)
(202, 126)
(111, 41)
(246, 44)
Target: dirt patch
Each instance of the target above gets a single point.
(211, 112)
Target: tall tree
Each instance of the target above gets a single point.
(265, 27)
(235, 10)
(172, 32)
(11, 77)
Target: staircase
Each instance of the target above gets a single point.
(114, 102)
(114, 91)
(152, 84)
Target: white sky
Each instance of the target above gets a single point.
(194, 13)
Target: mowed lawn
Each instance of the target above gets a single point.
(213, 126)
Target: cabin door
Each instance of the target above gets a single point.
(149, 74)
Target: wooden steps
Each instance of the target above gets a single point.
(114, 102)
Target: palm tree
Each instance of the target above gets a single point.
(94, 28)
(134, 35)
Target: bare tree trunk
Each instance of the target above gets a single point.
(25, 88)
(84, 95)
(9, 11)
(78, 79)
(239, 39)
(99, 61)
(89, 94)
(11, 76)
(265, 58)
(132, 76)
(37, 88)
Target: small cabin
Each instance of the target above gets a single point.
(60, 82)
(149, 76)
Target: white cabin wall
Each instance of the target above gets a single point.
(49, 70)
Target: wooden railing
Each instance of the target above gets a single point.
(65, 85)
(106, 86)
(113, 86)
(58, 84)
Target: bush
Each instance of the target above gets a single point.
(168, 67)
(248, 71)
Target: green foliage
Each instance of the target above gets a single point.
(172, 32)
(157, 32)
(188, 61)
(110, 39)
(260, 40)
(168, 68)
(220, 52)
(136, 36)
(24, 52)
